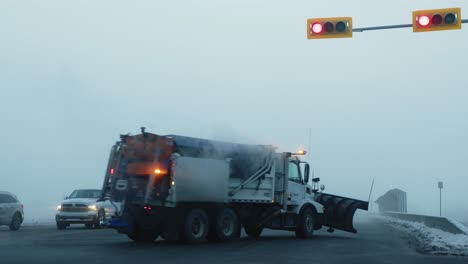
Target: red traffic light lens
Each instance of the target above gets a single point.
(316, 28)
(424, 21)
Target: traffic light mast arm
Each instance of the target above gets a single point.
(391, 27)
(381, 27)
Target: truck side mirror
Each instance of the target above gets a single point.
(306, 173)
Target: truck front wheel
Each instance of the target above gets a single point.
(305, 225)
(196, 226)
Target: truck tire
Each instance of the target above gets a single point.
(196, 226)
(225, 227)
(15, 222)
(253, 231)
(305, 225)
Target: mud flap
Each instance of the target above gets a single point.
(339, 211)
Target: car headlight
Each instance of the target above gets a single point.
(59, 207)
(92, 207)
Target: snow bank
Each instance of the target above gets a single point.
(460, 226)
(431, 240)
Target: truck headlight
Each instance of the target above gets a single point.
(59, 207)
(92, 207)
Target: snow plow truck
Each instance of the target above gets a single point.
(193, 190)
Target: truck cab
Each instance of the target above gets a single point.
(298, 179)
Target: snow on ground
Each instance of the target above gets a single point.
(460, 226)
(431, 240)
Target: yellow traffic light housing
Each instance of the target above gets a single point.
(437, 19)
(333, 27)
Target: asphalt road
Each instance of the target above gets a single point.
(375, 243)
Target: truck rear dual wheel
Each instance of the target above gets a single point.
(225, 227)
(196, 226)
(305, 226)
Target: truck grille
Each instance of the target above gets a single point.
(74, 208)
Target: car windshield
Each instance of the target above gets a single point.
(85, 194)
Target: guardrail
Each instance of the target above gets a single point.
(440, 223)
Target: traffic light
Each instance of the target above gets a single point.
(333, 27)
(437, 19)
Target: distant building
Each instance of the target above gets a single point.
(392, 201)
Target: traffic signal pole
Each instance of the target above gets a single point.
(391, 27)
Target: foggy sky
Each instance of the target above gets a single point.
(385, 105)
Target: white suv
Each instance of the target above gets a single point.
(11, 211)
(82, 207)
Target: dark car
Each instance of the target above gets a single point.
(11, 211)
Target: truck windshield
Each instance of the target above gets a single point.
(94, 194)
(293, 173)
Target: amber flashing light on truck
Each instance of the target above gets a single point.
(300, 152)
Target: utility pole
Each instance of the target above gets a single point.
(370, 195)
(441, 186)
(310, 142)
